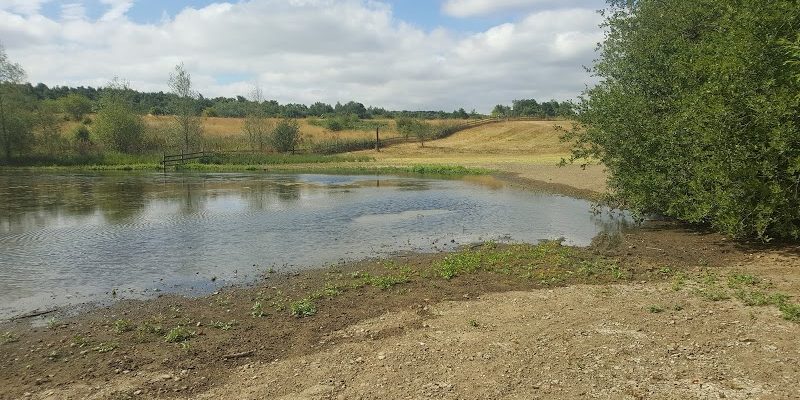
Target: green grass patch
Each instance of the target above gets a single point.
(123, 325)
(257, 310)
(790, 311)
(757, 298)
(737, 280)
(178, 334)
(459, 263)
(303, 308)
(8, 337)
(655, 309)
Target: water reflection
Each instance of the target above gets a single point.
(67, 238)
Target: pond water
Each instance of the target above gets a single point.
(73, 238)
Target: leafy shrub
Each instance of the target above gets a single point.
(697, 113)
(303, 308)
(286, 135)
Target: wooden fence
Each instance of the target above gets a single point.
(180, 159)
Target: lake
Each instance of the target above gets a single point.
(73, 238)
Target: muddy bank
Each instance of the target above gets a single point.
(362, 324)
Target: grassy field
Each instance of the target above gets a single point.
(528, 149)
(232, 127)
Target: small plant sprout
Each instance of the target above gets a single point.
(105, 347)
(8, 337)
(123, 325)
(473, 323)
(655, 309)
(224, 326)
(178, 334)
(303, 308)
(257, 310)
(790, 311)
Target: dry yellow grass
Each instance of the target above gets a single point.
(529, 149)
(226, 127)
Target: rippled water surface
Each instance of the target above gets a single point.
(72, 238)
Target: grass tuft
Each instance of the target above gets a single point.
(303, 308)
(123, 325)
(178, 334)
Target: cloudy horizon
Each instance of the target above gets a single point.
(395, 54)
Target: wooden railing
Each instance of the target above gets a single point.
(180, 159)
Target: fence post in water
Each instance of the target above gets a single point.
(377, 139)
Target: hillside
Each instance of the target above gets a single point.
(530, 150)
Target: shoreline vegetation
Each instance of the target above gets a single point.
(301, 164)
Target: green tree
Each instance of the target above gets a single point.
(256, 125)
(696, 115)
(188, 123)
(76, 106)
(414, 127)
(118, 125)
(286, 135)
(48, 127)
(501, 111)
(16, 121)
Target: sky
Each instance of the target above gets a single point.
(397, 54)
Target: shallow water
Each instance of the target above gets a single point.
(73, 238)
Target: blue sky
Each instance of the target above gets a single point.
(409, 54)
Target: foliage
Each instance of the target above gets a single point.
(188, 125)
(696, 115)
(117, 125)
(123, 325)
(178, 334)
(160, 103)
(286, 135)
(334, 146)
(76, 106)
(303, 308)
(414, 127)
(48, 127)
(256, 125)
(16, 121)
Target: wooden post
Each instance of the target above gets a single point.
(377, 139)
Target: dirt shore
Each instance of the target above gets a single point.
(654, 313)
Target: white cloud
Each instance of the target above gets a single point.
(25, 7)
(470, 8)
(117, 9)
(312, 50)
(73, 11)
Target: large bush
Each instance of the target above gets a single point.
(286, 135)
(697, 113)
(117, 125)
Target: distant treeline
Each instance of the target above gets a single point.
(532, 108)
(160, 103)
